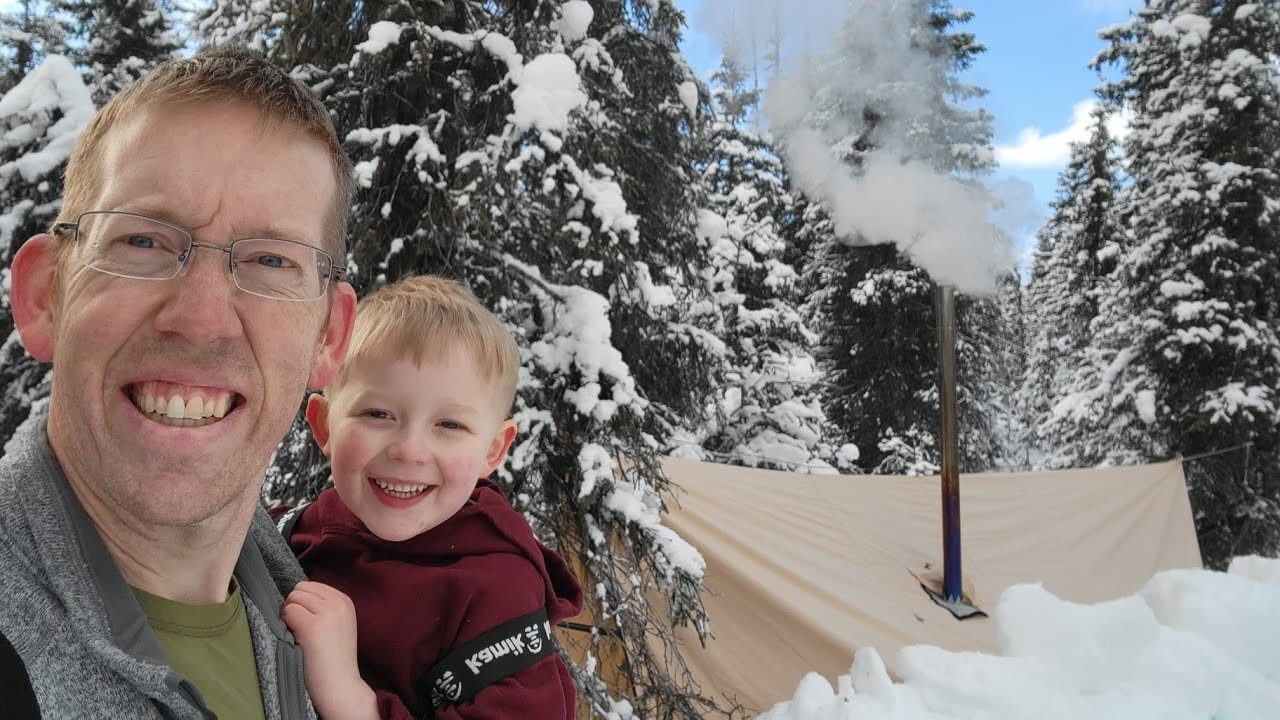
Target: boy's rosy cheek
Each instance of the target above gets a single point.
(460, 467)
(353, 446)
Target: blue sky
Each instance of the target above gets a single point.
(1034, 67)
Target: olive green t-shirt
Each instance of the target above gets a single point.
(211, 646)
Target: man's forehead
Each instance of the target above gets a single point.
(162, 163)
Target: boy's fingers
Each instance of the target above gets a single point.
(311, 587)
(296, 617)
(319, 591)
(308, 601)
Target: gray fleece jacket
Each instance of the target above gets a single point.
(77, 626)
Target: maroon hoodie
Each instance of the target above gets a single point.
(419, 599)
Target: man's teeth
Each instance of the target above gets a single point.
(401, 491)
(170, 407)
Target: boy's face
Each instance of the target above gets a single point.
(407, 443)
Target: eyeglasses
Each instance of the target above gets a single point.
(135, 246)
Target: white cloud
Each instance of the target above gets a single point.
(1034, 150)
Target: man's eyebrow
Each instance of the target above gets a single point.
(276, 232)
(154, 212)
(267, 232)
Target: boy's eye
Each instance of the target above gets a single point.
(452, 425)
(378, 414)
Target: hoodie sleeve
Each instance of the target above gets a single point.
(542, 690)
(391, 707)
(514, 587)
(544, 687)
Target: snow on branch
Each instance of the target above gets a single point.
(51, 102)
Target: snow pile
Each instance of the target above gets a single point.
(1192, 645)
(381, 35)
(688, 92)
(548, 90)
(575, 18)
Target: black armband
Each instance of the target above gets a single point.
(488, 658)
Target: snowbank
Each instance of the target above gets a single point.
(1192, 645)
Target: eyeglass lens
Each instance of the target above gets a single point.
(134, 246)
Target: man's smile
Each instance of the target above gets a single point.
(182, 405)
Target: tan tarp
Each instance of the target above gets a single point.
(806, 568)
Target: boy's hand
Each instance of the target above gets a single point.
(323, 620)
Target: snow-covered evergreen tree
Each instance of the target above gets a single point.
(40, 119)
(543, 153)
(873, 307)
(120, 40)
(1011, 425)
(768, 412)
(254, 24)
(1076, 253)
(1188, 358)
(27, 35)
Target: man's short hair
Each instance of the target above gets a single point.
(424, 317)
(215, 76)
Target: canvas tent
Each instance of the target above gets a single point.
(804, 569)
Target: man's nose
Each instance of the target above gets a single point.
(200, 301)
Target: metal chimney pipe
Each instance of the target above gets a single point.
(951, 582)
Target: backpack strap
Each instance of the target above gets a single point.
(15, 685)
(501, 652)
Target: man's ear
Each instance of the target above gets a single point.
(31, 280)
(337, 333)
(499, 446)
(318, 419)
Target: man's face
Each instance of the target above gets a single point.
(222, 174)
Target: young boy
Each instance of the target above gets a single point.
(425, 584)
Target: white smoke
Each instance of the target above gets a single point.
(903, 192)
(933, 218)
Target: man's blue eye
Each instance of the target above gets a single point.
(274, 261)
(141, 241)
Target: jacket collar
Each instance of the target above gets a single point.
(125, 619)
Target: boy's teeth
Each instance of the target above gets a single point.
(401, 490)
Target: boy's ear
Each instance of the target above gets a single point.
(499, 446)
(318, 419)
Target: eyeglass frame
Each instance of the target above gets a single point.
(335, 273)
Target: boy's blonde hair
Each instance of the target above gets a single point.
(424, 317)
(221, 76)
